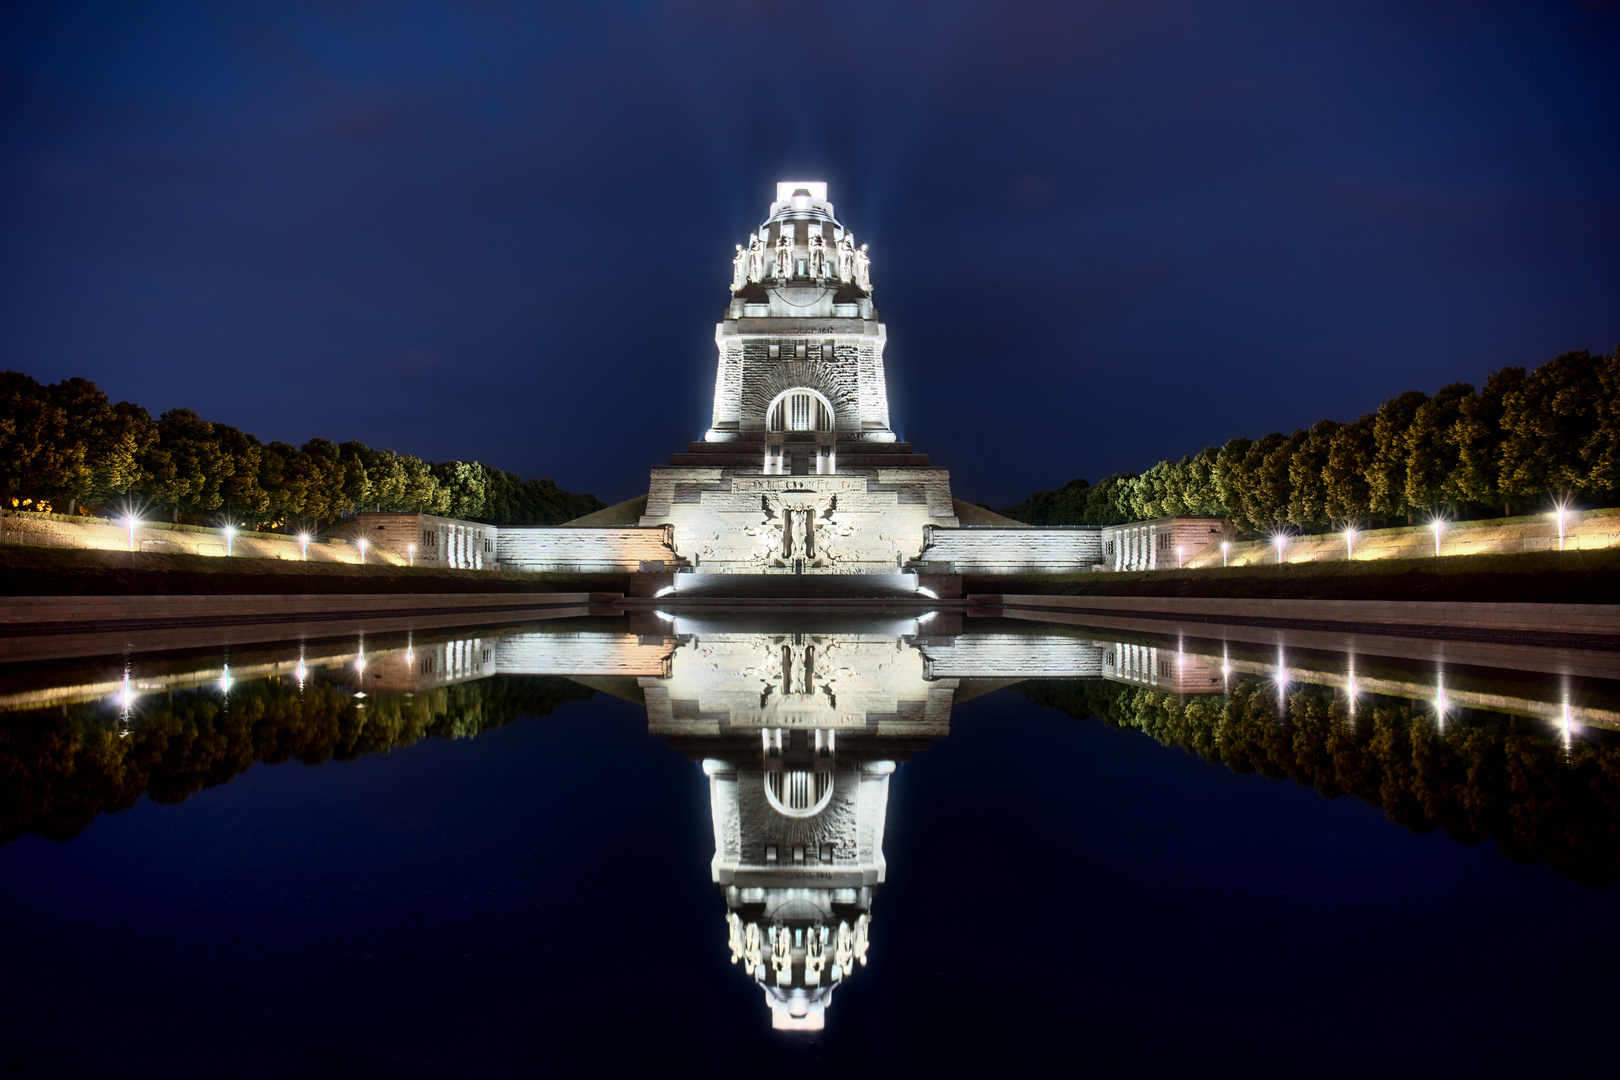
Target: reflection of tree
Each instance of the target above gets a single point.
(1483, 776)
(59, 768)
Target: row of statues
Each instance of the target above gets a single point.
(849, 947)
(853, 265)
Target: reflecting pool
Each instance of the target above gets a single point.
(806, 839)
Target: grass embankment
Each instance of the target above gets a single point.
(1534, 577)
(45, 571)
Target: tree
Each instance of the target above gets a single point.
(1386, 478)
(1476, 436)
(1432, 452)
(1307, 475)
(466, 485)
(35, 447)
(1547, 423)
(242, 495)
(1601, 450)
(187, 466)
(1345, 495)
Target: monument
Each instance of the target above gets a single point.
(800, 472)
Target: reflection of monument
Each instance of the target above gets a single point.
(798, 733)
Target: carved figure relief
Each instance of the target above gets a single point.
(863, 270)
(818, 258)
(846, 259)
(739, 269)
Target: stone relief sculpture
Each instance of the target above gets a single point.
(846, 259)
(863, 270)
(739, 269)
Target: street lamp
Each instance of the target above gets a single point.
(1281, 540)
(412, 549)
(130, 521)
(362, 553)
(1560, 513)
(1225, 547)
(303, 546)
(1350, 543)
(1439, 527)
(1178, 556)
(230, 535)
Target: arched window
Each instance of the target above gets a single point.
(800, 410)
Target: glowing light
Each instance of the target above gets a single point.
(924, 618)
(1178, 556)
(412, 549)
(1441, 705)
(665, 591)
(362, 552)
(930, 593)
(130, 522)
(1560, 511)
(1439, 525)
(225, 680)
(1350, 544)
(230, 536)
(1281, 540)
(1225, 547)
(1565, 727)
(303, 545)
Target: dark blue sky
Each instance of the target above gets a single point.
(1101, 233)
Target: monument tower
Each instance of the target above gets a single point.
(800, 472)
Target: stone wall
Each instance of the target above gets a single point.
(611, 550)
(1582, 530)
(99, 534)
(1012, 551)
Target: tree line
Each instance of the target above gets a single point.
(1485, 776)
(67, 447)
(1522, 441)
(62, 767)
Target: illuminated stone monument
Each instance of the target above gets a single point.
(800, 472)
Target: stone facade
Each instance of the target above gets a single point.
(430, 540)
(1162, 543)
(984, 550)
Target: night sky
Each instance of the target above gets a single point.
(1102, 233)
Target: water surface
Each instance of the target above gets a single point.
(620, 841)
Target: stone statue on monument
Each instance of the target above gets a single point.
(818, 258)
(739, 269)
(784, 260)
(756, 259)
(863, 270)
(846, 259)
